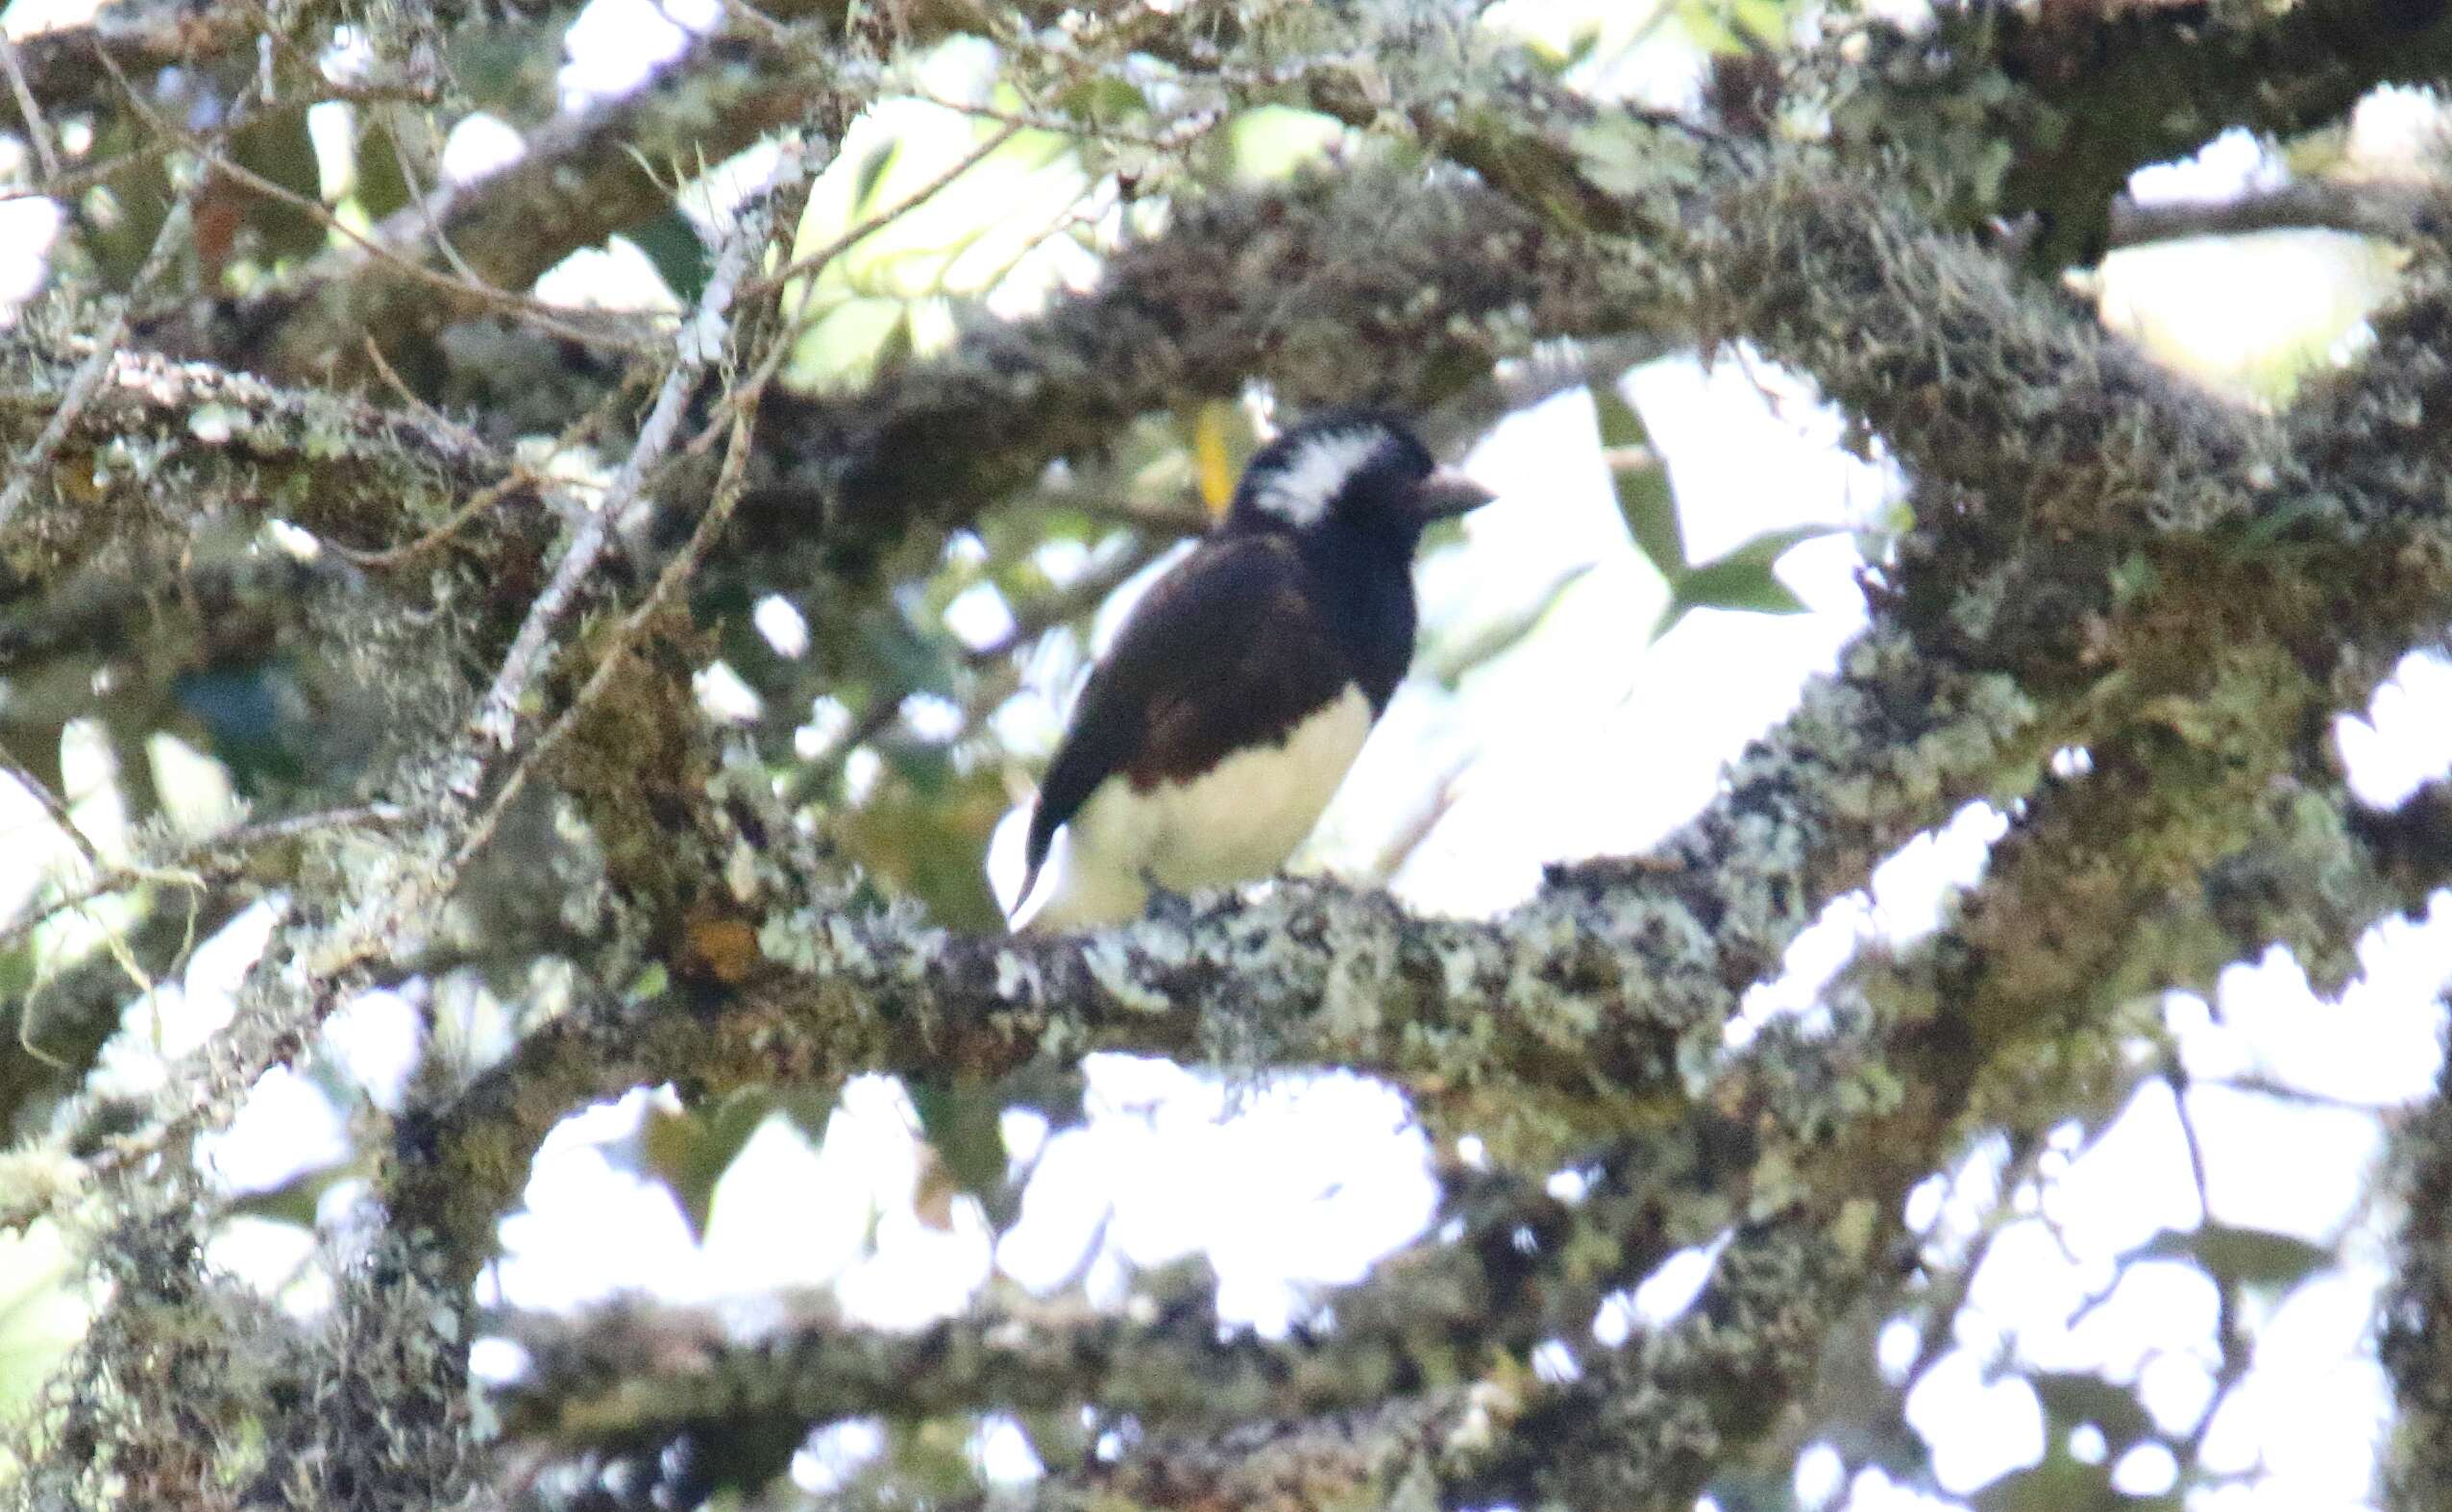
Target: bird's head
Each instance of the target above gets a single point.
(1353, 469)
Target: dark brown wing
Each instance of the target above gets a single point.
(1226, 649)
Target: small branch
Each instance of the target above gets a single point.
(67, 184)
(2055, 91)
(350, 470)
(521, 477)
(2414, 1331)
(52, 805)
(2391, 211)
(1181, 516)
(38, 129)
(817, 261)
(1069, 603)
(580, 181)
(464, 291)
(1503, 1268)
(71, 66)
(213, 856)
(1370, 285)
(701, 342)
(718, 511)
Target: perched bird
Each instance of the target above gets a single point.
(1213, 731)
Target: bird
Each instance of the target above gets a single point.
(1210, 737)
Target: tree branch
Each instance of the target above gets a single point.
(1367, 284)
(2414, 1342)
(2006, 110)
(75, 66)
(2401, 213)
(581, 180)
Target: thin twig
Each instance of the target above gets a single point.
(496, 717)
(727, 494)
(1180, 515)
(492, 493)
(425, 207)
(419, 405)
(532, 311)
(878, 222)
(1172, 138)
(38, 129)
(198, 857)
(52, 805)
(69, 184)
(2393, 212)
(1068, 603)
(784, 344)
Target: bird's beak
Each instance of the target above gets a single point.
(1448, 493)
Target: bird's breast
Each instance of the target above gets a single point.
(1240, 819)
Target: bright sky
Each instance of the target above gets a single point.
(1567, 745)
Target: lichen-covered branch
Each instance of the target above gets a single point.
(2195, 721)
(2415, 1341)
(1398, 1455)
(154, 431)
(2401, 213)
(1372, 283)
(2006, 111)
(1611, 985)
(2001, 1020)
(2015, 1015)
(65, 68)
(1495, 1277)
(474, 248)
(1603, 993)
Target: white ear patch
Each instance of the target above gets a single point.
(1299, 492)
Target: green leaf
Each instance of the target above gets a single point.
(1270, 142)
(2248, 1257)
(1766, 21)
(1649, 507)
(280, 148)
(847, 344)
(963, 1126)
(295, 1200)
(1747, 587)
(2059, 1484)
(1644, 496)
(1708, 30)
(690, 1152)
(1103, 100)
(2072, 1398)
(1772, 545)
(911, 659)
(1742, 580)
(870, 172)
(672, 243)
(42, 1312)
(381, 187)
(1617, 154)
(1620, 425)
(2132, 578)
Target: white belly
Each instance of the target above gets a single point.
(1236, 822)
